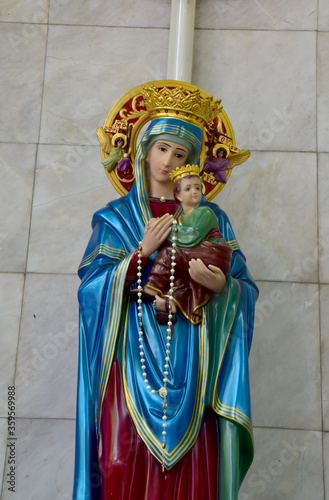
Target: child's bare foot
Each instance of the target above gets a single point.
(161, 304)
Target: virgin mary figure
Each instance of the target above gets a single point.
(161, 415)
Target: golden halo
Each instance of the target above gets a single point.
(119, 136)
(221, 146)
(129, 115)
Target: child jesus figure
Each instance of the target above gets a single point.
(197, 238)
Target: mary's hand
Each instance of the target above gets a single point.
(210, 277)
(157, 231)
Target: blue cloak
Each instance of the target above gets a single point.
(208, 364)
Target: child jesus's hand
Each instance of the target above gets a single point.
(161, 303)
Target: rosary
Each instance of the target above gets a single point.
(163, 390)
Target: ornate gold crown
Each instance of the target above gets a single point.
(183, 171)
(182, 103)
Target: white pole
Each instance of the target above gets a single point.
(181, 37)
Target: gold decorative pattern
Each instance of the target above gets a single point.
(209, 178)
(180, 102)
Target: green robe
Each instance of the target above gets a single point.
(193, 227)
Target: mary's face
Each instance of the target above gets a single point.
(163, 158)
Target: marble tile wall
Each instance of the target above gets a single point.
(63, 65)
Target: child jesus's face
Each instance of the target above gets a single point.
(190, 193)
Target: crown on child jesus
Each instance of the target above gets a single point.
(184, 171)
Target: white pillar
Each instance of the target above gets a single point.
(181, 37)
